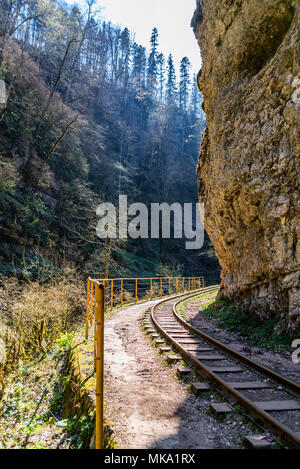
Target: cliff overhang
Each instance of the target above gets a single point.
(249, 170)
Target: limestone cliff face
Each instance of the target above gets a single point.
(249, 167)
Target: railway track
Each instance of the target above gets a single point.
(268, 398)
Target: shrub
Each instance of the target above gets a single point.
(33, 315)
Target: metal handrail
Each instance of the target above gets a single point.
(120, 291)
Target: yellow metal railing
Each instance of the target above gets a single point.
(107, 294)
(122, 291)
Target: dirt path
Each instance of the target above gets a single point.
(147, 404)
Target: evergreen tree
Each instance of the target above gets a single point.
(125, 57)
(161, 75)
(153, 61)
(139, 62)
(171, 81)
(185, 81)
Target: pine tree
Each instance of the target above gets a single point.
(125, 47)
(171, 80)
(153, 61)
(185, 81)
(161, 75)
(139, 63)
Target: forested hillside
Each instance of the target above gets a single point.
(90, 114)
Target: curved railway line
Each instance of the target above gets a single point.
(269, 399)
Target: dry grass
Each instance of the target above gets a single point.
(32, 315)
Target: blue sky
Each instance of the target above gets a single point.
(171, 17)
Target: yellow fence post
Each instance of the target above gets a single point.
(95, 335)
(183, 284)
(189, 284)
(169, 286)
(122, 292)
(136, 290)
(151, 291)
(161, 287)
(87, 321)
(91, 302)
(111, 295)
(99, 322)
(104, 291)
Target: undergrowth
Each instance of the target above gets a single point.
(258, 332)
(33, 315)
(32, 408)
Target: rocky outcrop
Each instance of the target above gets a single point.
(249, 167)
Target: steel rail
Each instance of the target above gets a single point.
(261, 416)
(257, 366)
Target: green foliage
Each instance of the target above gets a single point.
(81, 430)
(29, 267)
(258, 332)
(26, 213)
(24, 412)
(64, 341)
(138, 265)
(32, 410)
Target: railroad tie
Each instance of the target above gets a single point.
(173, 358)
(220, 409)
(198, 388)
(190, 342)
(178, 335)
(270, 406)
(210, 357)
(182, 372)
(226, 369)
(165, 349)
(197, 349)
(251, 385)
(257, 442)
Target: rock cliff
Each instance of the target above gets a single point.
(249, 167)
